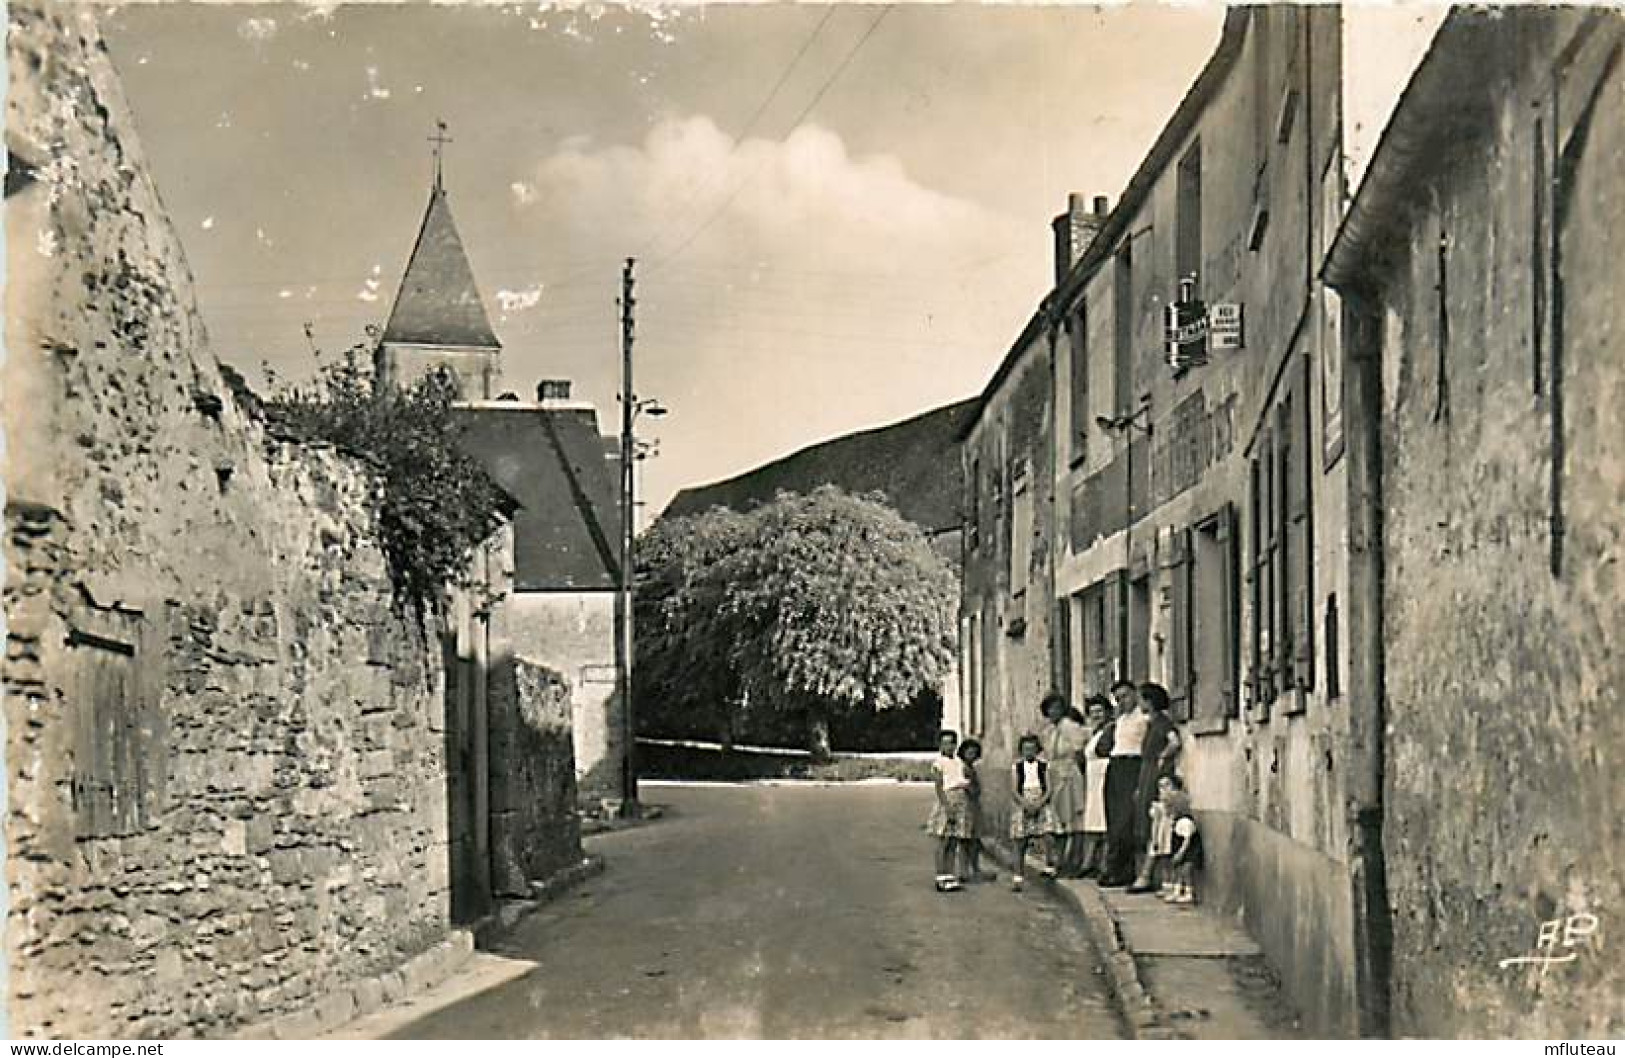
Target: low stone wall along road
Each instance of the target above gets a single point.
(787, 911)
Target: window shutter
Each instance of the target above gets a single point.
(1061, 670)
(1182, 639)
(1255, 590)
(1117, 628)
(1230, 550)
(1304, 609)
(1285, 554)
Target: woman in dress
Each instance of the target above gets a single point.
(1098, 709)
(1064, 740)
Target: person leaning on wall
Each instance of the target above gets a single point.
(1159, 749)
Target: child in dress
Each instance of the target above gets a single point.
(1161, 845)
(950, 816)
(1032, 816)
(970, 751)
(1186, 859)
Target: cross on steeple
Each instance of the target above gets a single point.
(439, 139)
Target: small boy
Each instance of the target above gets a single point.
(1187, 854)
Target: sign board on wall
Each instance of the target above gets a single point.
(1224, 327)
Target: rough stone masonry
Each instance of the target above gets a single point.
(227, 789)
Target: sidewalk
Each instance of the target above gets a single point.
(1181, 971)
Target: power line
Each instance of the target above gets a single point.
(761, 109)
(824, 88)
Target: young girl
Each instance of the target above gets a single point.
(1032, 816)
(970, 751)
(950, 816)
(1187, 855)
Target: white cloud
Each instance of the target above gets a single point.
(864, 210)
(208, 223)
(519, 300)
(817, 291)
(257, 30)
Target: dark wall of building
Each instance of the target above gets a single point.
(1500, 331)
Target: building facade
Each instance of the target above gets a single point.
(1342, 479)
(1177, 515)
(548, 454)
(1199, 511)
(1485, 397)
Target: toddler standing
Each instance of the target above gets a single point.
(1161, 846)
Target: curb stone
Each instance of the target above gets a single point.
(423, 970)
(511, 912)
(416, 975)
(1144, 1017)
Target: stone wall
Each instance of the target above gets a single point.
(226, 772)
(573, 635)
(1504, 672)
(535, 829)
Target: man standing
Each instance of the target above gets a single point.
(1121, 746)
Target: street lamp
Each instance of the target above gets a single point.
(631, 408)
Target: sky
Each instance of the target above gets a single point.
(841, 214)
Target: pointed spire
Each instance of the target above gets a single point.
(439, 139)
(439, 302)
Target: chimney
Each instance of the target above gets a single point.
(1075, 229)
(553, 391)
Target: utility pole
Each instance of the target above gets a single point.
(623, 637)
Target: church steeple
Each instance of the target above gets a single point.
(438, 318)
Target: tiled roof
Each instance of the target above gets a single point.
(552, 461)
(438, 302)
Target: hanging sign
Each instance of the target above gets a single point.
(1185, 329)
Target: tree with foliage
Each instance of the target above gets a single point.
(808, 607)
(437, 503)
(682, 681)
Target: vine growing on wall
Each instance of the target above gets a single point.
(436, 504)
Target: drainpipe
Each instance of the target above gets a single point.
(1362, 415)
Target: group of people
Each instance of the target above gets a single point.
(1099, 791)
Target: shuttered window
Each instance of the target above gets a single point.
(1214, 630)
(1182, 675)
(1281, 559)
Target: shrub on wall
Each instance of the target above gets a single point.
(437, 503)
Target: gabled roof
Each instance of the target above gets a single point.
(1140, 186)
(438, 302)
(915, 463)
(552, 460)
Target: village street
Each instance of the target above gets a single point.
(785, 911)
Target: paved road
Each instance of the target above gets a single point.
(787, 912)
